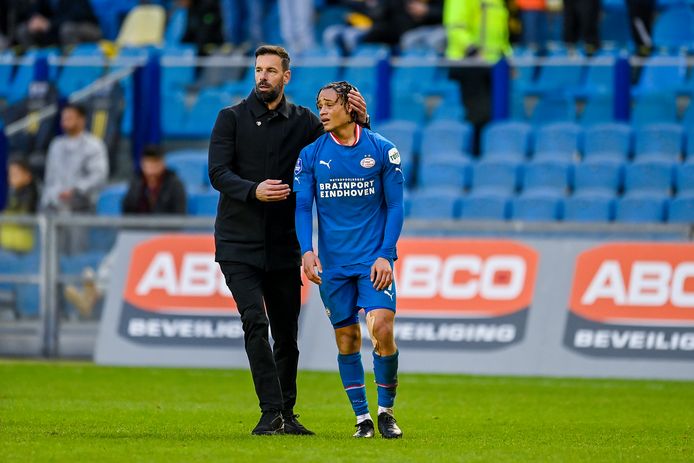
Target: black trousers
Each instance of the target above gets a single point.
(279, 293)
(581, 18)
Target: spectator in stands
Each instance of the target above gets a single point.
(533, 22)
(12, 13)
(477, 30)
(157, 190)
(204, 26)
(76, 169)
(296, 23)
(22, 199)
(387, 21)
(76, 165)
(581, 18)
(641, 15)
(244, 21)
(64, 22)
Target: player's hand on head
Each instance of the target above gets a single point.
(358, 104)
(312, 267)
(381, 274)
(272, 190)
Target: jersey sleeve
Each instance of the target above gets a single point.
(393, 180)
(304, 187)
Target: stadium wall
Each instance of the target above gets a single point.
(509, 306)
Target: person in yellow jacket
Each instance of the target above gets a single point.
(22, 199)
(477, 30)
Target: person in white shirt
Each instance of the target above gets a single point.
(76, 166)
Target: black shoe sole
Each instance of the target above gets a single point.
(267, 433)
(391, 437)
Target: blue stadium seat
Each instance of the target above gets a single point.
(560, 141)
(178, 67)
(650, 109)
(603, 176)
(24, 73)
(434, 204)
(76, 73)
(191, 167)
(556, 76)
(506, 139)
(500, 177)
(661, 74)
(111, 199)
(674, 28)
(452, 110)
(611, 140)
(203, 203)
(588, 207)
(599, 109)
(681, 209)
(684, 178)
(6, 69)
(27, 294)
(659, 141)
(614, 26)
(539, 206)
(640, 208)
(648, 176)
(599, 78)
(545, 175)
(444, 171)
(445, 138)
(73, 265)
(409, 106)
(364, 78)
(483, 206)
(404, 135)
(203, 114)
(553, 109)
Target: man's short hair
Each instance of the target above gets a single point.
(274, 50)
(153, 152)
(78, 108)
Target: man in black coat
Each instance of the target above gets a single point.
(157, 190)
(253, 150)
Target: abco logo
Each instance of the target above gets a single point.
(175, 293)
(633, 300)
(471, 293)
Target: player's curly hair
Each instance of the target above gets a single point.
(342, 88)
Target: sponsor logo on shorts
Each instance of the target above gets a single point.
(467, 294)
(176, 294)
(633, 300)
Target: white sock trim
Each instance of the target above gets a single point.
(388, 410)
(364, 417)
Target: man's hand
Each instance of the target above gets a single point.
(272, 190)
(311, 263)
(381, 274)
(358, 104)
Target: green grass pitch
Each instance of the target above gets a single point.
(81, 412)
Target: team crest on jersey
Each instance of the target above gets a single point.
(394, 156)
(367, 163)
(298, 167)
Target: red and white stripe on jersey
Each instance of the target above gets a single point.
(357, 132)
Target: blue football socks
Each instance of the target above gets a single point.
(386, 372)
(352, 374)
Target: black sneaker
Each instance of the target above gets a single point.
(292, 426)
(388, 427)
(365, 429)
(270, 423)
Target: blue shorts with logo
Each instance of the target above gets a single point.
(346, 290)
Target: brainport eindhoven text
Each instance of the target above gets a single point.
(347, 187)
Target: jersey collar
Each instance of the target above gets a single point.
(357, 132)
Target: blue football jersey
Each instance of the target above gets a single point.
(354, 188)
